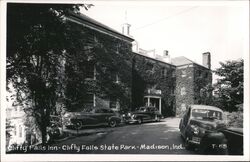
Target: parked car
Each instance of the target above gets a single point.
(143, 114)
(92, 117)
(201, 128)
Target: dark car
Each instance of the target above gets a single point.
(201, 127)
(92, 117)
(143, 114)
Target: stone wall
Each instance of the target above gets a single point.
(202, 85)
(184, 88)
(111, 58)
(193, 86)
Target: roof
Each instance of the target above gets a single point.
(85, 20)
(179, 61)
(154, 59)
(205, 107)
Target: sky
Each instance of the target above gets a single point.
(184, 28)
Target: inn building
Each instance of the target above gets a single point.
(139, 77)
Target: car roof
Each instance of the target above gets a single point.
(205, 107)
(147, 107)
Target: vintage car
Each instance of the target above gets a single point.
(143, 114)
(91, 117)
(201, 127)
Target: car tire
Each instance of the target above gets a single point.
(112, 123)
(78, 125)
(139, 120)
(157, 118)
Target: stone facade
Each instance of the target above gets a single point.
(105, 72)
(131, 80)
(153, 84)
(192, 86)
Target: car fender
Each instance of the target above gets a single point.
(209, 140)
(116, 118)
(180, 124)
(141, 115)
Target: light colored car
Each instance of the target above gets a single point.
(201, 128)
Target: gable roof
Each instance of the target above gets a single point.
(179, 61)
(89, 22)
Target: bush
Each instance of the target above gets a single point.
(235, 119)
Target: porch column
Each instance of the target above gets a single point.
(148, 101)
(160, 105)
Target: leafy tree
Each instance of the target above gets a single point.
(229, 87)
(38, 40)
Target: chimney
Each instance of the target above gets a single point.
(166, 57)
(206, 60)
(165, 53)
(125, 29)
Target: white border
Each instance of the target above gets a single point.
(120, 157)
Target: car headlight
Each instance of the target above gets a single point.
(66, 115)
(133, 116)
(129, 114)
(195, 129)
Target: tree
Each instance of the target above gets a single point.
(38, 40)
(229, 87)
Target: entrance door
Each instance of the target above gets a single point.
(153, 101)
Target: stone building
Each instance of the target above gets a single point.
(106, 70)
(153, 84)
(193, 82)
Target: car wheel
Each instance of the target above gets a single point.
(112, 123)
(139, 120)
(78, 124)
(157, 118)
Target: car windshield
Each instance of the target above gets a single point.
(142, 109)
(206, 114)
(88, 110)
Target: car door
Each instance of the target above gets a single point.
(106, 115)
(100, 116)
(152, 112)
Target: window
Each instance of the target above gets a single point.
(173, 73)
(90, 70)
(118, 80)
(183, 73)
(163, 72)
(20, 131)
(199, 73)
(206, 74)
(89, 99)
(150, 67)
(183, 91)
(113, 103)
(14, 130)
(172, 90)
(114, 77)
(183, 107)
(99, 111)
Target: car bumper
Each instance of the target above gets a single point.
(130, 121)
(195, 140)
